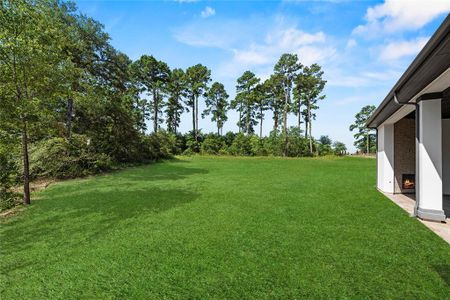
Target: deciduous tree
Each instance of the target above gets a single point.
(31, 71)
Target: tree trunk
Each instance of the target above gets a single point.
(193, 118)
(247, 121)
(239, 121)
(310, 135)
(218, 129)
(143, 117)
(299, 121)
(260, 124)
(155, 111)
(196, 118)
(368, 143)
(260, 128)
(286, 102)
(307, 121)
(275, 121)
(26, 165)
(70, 107)
(69, 117)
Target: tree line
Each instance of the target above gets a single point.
(71, 104)
(175, 91)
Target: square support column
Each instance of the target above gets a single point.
(429, 159)
(385, 158)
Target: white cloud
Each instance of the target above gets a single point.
(256, 47)
(292, 37)
(399, 49)
(398, 15)
(261, 57)
(208, 12)
(281, 40)
(250, 56)
(338, 78)
(359, 98)
(382, 76)
(351, 43)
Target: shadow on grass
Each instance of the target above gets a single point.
(444, 272)
(163, 172)
(84, 211)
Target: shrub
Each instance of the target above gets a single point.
(241, 145)
(160, 145)
(229, 138)
(63, 158)
(324, 145)
(8, 176)
(298, 144)
(274, 144)
(180, 143)
(192, 145)
(339, 148)
(257, 145)
(213, 144)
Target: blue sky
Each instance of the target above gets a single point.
(363, 46)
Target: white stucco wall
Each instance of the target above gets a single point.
(446, 155)
(385, 158)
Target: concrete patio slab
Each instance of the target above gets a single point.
(407, 202)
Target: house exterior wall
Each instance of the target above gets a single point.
(446, 156)
(404, 152)
(385, 158)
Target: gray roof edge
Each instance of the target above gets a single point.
(421, 58)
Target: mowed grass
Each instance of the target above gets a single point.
(212, 227)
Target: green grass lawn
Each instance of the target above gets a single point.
(208, 227)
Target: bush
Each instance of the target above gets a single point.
(274, 144)
(213, 145)
(241, 145)
(257, 145)
(229, 138)
(324, 145)
(298, 145)
(160, 145)
(339, 148)
(8, 176)
(180, 143)
(192, 145)
(63, 158)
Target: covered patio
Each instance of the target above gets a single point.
(407, 202)
(413, 132)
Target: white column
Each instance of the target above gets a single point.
(385, 158)
(430, 161)
(446, 156)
